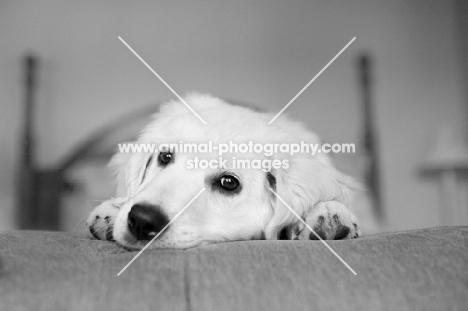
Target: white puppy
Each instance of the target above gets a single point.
(237, 203)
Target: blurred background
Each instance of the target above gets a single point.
(70, 90)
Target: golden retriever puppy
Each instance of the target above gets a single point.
(241, 185)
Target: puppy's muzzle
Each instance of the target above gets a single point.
(145, 221)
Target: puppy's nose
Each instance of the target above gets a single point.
(145, 221)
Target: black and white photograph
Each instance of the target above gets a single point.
(234, 155)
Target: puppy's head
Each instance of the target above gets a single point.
(236, 203)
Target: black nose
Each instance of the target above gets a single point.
(145, 221)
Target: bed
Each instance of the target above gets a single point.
(413, 270)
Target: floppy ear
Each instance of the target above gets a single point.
(128, 171)
(303, 184)
(118, 164)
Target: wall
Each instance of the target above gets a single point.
(259, 52)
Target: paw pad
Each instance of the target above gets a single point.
(93, 232)
(341, 232)
(319, 231)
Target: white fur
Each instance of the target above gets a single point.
(255, 212)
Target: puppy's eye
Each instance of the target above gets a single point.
(164, 158)
(229, 183)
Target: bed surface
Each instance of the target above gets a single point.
(414, 270)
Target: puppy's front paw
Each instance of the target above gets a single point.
(331, 221)
(101, 220)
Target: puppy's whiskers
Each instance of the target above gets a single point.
(102, 229)
(80, 221)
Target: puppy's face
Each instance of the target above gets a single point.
(236, 204)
